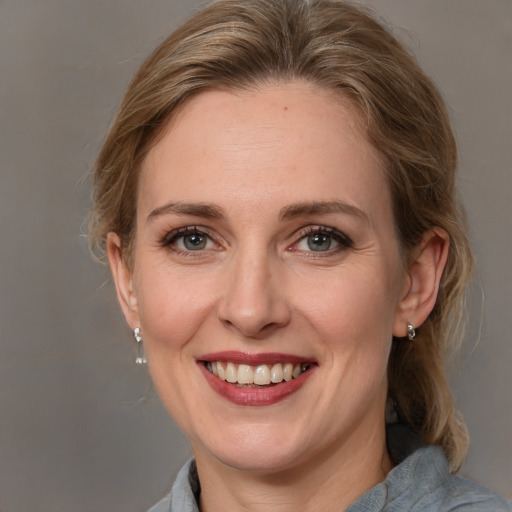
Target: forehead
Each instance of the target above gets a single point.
(294, 141)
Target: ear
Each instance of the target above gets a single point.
(123, 280)
(422, 284)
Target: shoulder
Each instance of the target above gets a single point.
(463, 495)
(421, 483)
(432, 488)
(183, 496)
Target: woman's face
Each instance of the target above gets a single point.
(266, 246)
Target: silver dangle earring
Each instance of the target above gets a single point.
(141, 357)
(411, 332)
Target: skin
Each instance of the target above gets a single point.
(257, 286)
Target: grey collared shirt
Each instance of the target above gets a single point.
(420, 483)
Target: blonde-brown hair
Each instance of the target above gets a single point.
(242, 43)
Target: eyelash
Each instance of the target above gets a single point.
(171, 238)
(343, 240)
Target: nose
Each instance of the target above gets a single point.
(254, 302)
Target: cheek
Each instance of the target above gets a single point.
(354, 318)
(171, 307)
(351, 306)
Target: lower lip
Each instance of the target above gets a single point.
(255, 396)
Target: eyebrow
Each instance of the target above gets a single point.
(205, 210)
(211, 211)
(321, 208)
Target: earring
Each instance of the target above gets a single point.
(141, 357)
(411, 332)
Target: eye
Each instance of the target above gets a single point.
(319, 242)
(322, 239)
(194, 241)
(189, 239)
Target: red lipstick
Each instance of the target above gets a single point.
(254, 359)
(255, 396)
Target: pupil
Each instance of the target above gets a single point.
(319, 242)
(194, 242)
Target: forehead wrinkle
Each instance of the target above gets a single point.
(258, 131)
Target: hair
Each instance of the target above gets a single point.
(234, 44)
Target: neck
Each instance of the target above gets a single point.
(327, 482)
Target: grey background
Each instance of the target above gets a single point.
(81, 429)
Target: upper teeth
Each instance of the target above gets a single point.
(261, 375)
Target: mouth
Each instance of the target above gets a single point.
(255, 379)
(263, 375)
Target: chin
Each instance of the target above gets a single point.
(260, 461)
(257, 449)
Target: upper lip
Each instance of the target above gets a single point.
(253, 359)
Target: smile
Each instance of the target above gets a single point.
(256, 379)
(261, 375)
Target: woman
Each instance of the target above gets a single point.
(276, 200)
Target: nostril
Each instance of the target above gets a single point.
(251, 329)
(253, 304)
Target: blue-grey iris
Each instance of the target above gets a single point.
(319, 242)
(194, 242)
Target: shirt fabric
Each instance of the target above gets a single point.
(420, 483)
